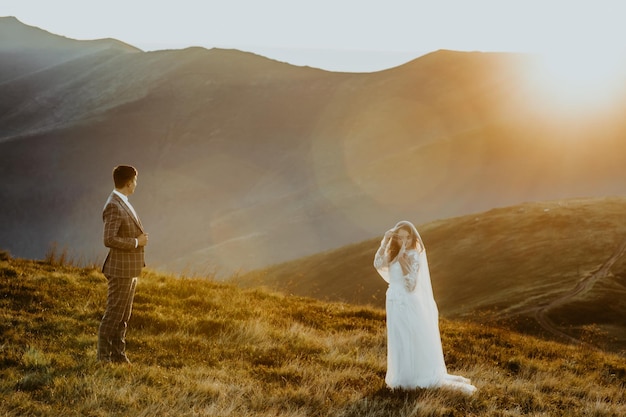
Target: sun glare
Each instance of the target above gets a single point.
(580, 81)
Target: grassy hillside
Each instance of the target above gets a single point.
(201, 348)
(519, 264)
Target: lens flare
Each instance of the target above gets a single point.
(582, 81)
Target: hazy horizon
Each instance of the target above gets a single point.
(351, 36)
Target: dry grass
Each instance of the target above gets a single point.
(202, 348)
(503, 263)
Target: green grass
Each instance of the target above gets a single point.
(203, 348)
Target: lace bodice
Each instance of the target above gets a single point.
(393, 272)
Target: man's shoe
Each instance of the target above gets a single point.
(120, 359)
(103, 358)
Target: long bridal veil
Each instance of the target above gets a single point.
(414, 351)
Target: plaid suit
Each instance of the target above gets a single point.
(121, 268)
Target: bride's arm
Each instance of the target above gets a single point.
(410, 277)
(380, 259)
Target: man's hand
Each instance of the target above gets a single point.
(142, 240)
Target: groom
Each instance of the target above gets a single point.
(125, 237)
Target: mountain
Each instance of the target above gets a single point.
(554, 269)
(245, 162)
(26, 49)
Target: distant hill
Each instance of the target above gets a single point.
(245, 161)
(204, 348)
(26, 49)
(555, 269)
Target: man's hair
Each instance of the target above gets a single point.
(122, 174)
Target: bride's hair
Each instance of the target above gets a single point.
(394, 247)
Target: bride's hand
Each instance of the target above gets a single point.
(402, 252)
(387, 239)
(405, 261)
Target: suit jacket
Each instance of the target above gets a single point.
(120, 230)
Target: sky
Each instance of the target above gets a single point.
(337, 35)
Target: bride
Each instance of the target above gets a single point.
(414, 352)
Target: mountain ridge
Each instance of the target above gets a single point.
(245, 161)
(19, 36)
(29, 49)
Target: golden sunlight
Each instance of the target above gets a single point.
(581, 81)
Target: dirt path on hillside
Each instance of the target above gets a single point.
(541, 313)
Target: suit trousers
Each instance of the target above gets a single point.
(112, 332)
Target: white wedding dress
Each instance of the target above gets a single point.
(414, 352)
